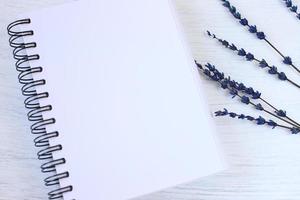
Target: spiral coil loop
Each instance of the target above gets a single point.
(36, 111)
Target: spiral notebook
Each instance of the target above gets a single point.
(114, 99)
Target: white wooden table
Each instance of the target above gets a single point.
(263, 163)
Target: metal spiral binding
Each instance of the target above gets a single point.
(36, 111)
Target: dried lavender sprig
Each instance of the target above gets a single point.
(225, 82)
(251, 57)
(235, 87)
(259, 120)
(293, 8)
(248, 90)
(246, 100)
(259, 34)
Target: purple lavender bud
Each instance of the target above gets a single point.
(221, 113)
(233, 84)
(210, 34)
(253, 29)
(232, 47)
(226, 4)
(237, 15)
(250, 118)
(244, 22)
(198, 65)
(273, 70)
(272, 123)
(282, 76)
(250, 56)
(281, 113)
(224, 84)
(259, 107)
(215, 77)
(295, 130)
(221, 75)
(298, 15)
(245, 100)
(210, 67)
(240, 86)
(232, 114)
(225, 43)
(207, 72)
(261, 35)
(256, 95)
(260, 121)
(232, 9)
(287, 60)
(242, 52)
(242, 116)
(249, 90)
(294, 8)
(263, 63)
(288, 3)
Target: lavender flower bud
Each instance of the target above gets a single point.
(245, 100)
(233, 115)
(233, 84)
(221, 113)
(273, 70)
(210, 67)
(260, 121)
(224, 84)
(244, 22)
(226, 4)
(263, 63)
(272, 123)
(242, 52)
(232, 9)
(249, 90)
(240, 87)
(259, 107)
(215, 77)
(253, 29)
(282, 76)
(287, 60)
(225, 43)
(295, 130)
(256, 95)
(294, 9)
(288, 3)
(250, 118)
(241, 116)
(281, 113)
(261, 35)
(233, 47)
(237, 15)
(250, 56)
(207, 72)
(198, 65)
(211, 35)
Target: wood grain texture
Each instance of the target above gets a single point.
(263, 163)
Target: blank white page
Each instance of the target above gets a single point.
(126, 97)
